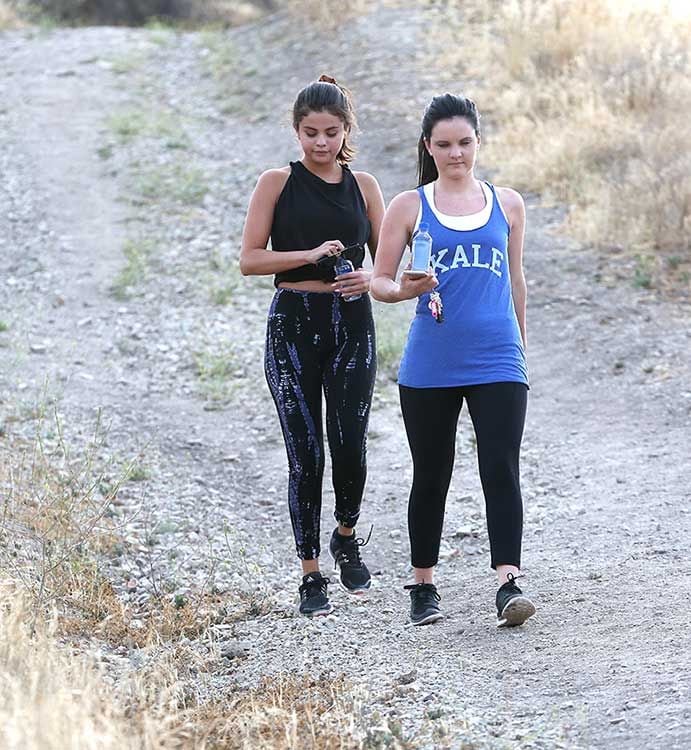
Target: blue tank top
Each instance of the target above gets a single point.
(479, 340)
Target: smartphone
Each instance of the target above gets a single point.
(415, 274)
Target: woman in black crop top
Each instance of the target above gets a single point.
(320, 332)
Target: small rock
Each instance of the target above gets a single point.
(464, 531)
(407, 678)
(234, 649)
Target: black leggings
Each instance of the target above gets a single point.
(431, 417)
(318, 341)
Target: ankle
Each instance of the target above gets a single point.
(310, 566)
(424, 575)
(506, 573)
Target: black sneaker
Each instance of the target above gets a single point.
(314, 600)
(424, 603)
(345, 550)
(513, 607)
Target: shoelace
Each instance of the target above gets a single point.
(312, 583)
(424, 588)
(511, 578)
(350, 554)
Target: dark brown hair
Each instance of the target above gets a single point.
(327, 95)
(442, 107)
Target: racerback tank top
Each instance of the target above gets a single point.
(479, 340)
(310, 211)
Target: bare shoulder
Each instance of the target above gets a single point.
(368, 185)
(510, 199)
(402, 212)
(405, 202)
(366, 179)
(268, 188)
(273, 178)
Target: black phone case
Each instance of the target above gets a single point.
(354, 253)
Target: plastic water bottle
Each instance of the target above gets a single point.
(343, 265)
(422, 249)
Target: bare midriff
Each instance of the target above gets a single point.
(308, 286)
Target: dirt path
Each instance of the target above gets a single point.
(605, 469)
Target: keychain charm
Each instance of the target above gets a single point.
(436, 306)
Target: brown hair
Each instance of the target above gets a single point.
(328, 95)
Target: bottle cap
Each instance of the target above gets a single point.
(423, 226)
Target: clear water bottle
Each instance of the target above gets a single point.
(343, 265)
(422, 249)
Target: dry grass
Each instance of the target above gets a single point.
(57, 529)
(92, 608)
(59, 605)
(55, 509)
(225, 12)
(328, 15)
(8, 17)
(588, 105)
(52, 698)
(285, 713)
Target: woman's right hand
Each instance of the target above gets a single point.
(411, 287)
(330, 247)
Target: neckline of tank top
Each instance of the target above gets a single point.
(329, 185)
(466, 223)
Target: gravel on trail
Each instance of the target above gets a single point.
(126, 162)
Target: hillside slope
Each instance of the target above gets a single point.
(127, 158)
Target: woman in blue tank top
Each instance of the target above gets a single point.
(473, 351)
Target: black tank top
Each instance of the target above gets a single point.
(310, 211)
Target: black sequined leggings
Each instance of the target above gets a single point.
(316, 341)
(431, 417)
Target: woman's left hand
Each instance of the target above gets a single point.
(355, 282)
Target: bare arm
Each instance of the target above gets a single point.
(374, 199)
(396, 230)
(255, 259)
(514, 207)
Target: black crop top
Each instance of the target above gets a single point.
(310, 211)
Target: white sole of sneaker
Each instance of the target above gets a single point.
(352, 592)
(355, 592)
(429, 619)
(317, 613)
(516, 612)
